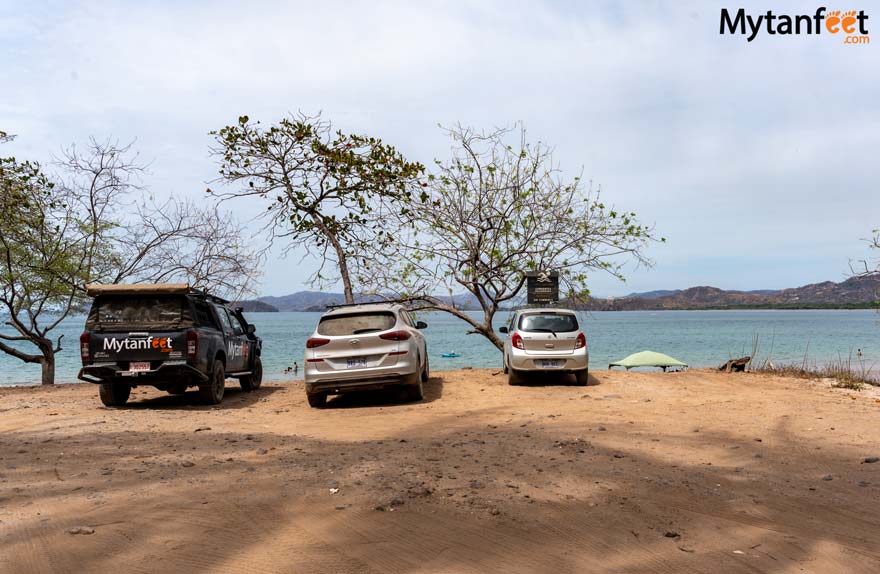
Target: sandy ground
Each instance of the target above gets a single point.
(681, 472)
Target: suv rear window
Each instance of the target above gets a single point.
(546, 322)
(356, 323)
(143, 312)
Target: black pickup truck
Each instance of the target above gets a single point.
(170, 336)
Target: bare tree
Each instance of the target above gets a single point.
(867, 267)
(320, 188)
(88, 227)
(496, 210)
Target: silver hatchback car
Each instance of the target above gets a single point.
(544, 340)
(366, 347)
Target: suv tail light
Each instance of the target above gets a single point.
(396, 336)
(85, 348)
(580, 341)
(316, 342)
(192, 344)
(517, 341)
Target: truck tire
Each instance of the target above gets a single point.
(582, 378)
(113, 395)
(211, 391)
(253, 381)
(317, 400)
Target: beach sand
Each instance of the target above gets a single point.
(638, 472)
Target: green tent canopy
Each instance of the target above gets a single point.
(648, 359)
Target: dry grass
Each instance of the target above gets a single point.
(845, 373)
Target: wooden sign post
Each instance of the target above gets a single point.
(542, 287)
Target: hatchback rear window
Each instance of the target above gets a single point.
(356, 323)
(548, 322)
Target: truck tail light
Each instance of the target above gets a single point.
(580, 341)
(396, 336)
(85, 347)
(517, 341)
(316, 342)
(192, 344)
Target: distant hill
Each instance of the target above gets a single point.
(318, 301)
(652, 294)
(255, 306)
(855, 292)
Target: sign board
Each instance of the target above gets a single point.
(542, 287)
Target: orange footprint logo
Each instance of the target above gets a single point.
(832, 21)
(848, 21)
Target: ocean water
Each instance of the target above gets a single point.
(699, 338)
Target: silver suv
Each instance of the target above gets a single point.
(366, 347)
(542, 340)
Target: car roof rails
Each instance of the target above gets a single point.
(382, 302)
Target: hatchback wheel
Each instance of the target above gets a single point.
(513, 378)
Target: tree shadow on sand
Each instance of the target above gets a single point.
(432, 391)
(233, 398)
(572, 502)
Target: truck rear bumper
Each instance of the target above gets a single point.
(166, 373)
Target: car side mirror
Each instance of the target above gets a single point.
(251, 329)
(502, 329)
(421, 325)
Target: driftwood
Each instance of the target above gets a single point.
(735, 365)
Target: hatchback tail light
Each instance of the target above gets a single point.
(396, 336)
(517, 341)
(85, 347)
(316, 342)
(580, 341)
(192, 344)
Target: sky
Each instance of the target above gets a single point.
(757, 161)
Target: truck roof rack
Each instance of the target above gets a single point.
(95, 289)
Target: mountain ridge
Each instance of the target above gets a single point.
(862, 292)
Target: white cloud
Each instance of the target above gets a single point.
(740, 152)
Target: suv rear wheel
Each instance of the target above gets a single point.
(412, 389)
(582, 377)
(211, 392)
(253, 381)
(113, 395)
(317, 400)
(426, 372)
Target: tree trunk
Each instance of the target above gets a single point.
(343, 272)
(341, 259)
(48, 364)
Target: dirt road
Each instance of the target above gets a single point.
(681, 472)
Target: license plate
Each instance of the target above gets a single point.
(550, 364)
(357, 362)
(139, 367)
